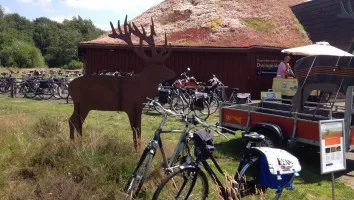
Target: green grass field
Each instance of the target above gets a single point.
(37, 160)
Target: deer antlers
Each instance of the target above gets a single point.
(346, 12)
(156, 57)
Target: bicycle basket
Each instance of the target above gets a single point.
(163, 95)
(203, 144)
(243, 98)
(277, 167)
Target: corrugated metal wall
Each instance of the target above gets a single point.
(234, 69)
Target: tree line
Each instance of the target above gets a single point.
(42, 42)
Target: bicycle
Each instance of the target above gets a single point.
(189, 181)
(143, 166)
(239, 98)
(37, 86)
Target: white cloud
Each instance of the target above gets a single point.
(105, 27)
(42, 3)
(112, 5)
(7, 9)
(61, 18)
(26, 1)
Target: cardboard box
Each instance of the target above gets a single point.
(287, 86)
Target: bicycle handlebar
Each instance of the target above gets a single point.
(168, 111)
(216, 126)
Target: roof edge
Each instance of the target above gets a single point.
(183, 48)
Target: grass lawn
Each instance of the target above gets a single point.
(37, 160)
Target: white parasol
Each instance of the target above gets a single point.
(320, 48)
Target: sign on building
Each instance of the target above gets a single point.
(267, 66)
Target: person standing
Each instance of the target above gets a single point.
(284, 69)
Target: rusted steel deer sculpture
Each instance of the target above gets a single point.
(109, 93)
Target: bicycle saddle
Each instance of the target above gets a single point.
(253, 136)
(235, 89)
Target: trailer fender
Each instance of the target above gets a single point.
(274, 130)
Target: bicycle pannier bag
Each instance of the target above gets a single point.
(43, 84)
(277, 168)
(199, 99)
(204, 146)
(163, 95)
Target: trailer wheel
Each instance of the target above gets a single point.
(270, 139)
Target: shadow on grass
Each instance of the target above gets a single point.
(152, 113)
(309, 160)
(232, 148)
(311, 165)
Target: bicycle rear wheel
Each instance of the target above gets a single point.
(247, 179)
(187, 183)
(213, 103)
(177, 104)
(202, 112)
(46, 93)
(64, 91)
(140, 173)
(57, 91)
(21, 91)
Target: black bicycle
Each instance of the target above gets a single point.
(189, 181)
(142, 168)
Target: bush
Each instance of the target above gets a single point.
(47, 126)
(22, 54)
(74, 64)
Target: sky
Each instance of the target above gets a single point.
(101, 12)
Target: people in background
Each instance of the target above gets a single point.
(284, 69)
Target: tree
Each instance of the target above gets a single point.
(44, 30)
(62, 48)
(2, 10)
(84, 26)
(22, 42)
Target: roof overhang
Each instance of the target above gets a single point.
(83, 46)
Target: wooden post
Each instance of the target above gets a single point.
(12, 88)
(223, 94)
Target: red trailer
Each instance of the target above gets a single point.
(284, 127)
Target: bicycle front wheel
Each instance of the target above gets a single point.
(140, 173)
(187, 183)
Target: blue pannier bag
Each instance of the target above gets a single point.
(277, 168)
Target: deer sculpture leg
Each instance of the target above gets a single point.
(135, 123)
(76, 120)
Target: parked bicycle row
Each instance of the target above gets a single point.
(37, 85)
(188, 95)
(185, 170)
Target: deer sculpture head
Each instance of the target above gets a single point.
(111, 93)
